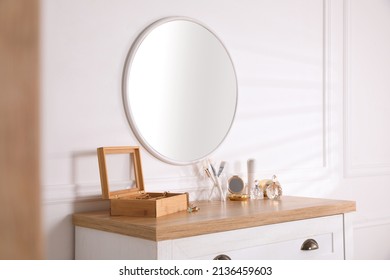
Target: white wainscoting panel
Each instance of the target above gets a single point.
(367, 86)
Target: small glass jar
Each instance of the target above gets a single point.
(274, 190)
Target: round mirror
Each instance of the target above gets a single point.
(180, 90)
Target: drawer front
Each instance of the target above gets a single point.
(278, 241)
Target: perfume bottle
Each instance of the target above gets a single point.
(274, 190)
(256, 192)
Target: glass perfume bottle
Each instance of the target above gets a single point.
(274, 190)
(256, 192)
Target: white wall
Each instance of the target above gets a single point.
(313, 103)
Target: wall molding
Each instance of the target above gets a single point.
(326, 82)
(305, 174)
(298, 175)
(376, 222)
(351, 168)
(91, 192)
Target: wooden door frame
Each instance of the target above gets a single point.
(20, 215)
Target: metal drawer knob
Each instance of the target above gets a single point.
(222, 257)
(309, 244)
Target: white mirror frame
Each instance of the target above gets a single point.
(129, 113)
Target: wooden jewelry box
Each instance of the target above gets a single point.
(135, 201)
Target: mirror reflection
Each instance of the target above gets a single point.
(180, 90)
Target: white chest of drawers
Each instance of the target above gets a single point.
(260, 229)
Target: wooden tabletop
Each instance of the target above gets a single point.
(215, 216)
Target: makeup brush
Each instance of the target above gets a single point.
(213, 170)
(221, 167)
(207, 171)
(216, 181)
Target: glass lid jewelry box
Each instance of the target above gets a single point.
(134, 201)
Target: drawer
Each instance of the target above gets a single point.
(278, 241)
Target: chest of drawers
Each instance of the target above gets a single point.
(292, 228)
